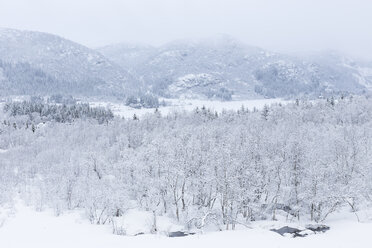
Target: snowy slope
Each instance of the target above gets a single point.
(85, 70)
(28, 228)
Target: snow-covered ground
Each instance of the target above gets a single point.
(186, 105)
(25, 227)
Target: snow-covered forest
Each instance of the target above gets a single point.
(301, 160)
(173, 123)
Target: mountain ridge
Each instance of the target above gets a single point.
(219, 67)
(213, 66)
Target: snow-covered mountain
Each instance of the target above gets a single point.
(220, 66)
(44, 63)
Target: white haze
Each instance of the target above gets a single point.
(279, 25)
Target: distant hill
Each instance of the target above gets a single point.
(33, 62)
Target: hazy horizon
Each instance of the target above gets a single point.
(278, 25)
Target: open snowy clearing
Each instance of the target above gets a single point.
(187, 105)
(25, 227)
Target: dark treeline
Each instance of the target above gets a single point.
(37, 111)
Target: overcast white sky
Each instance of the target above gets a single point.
(280, 25)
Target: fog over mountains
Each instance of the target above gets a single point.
(219, 65)
(216, 68)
